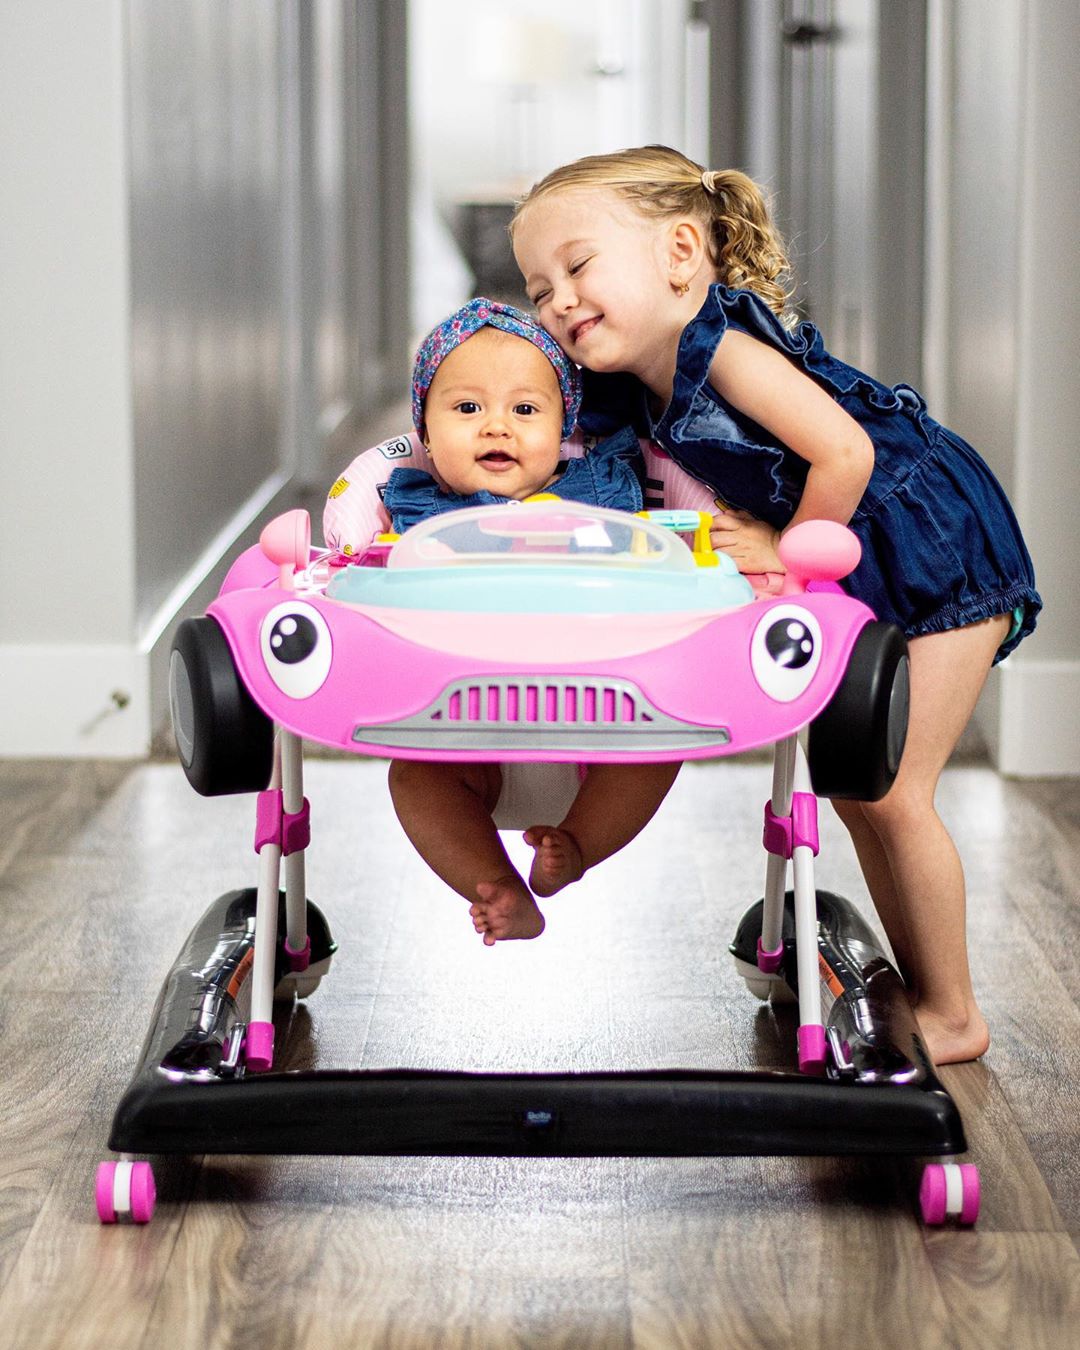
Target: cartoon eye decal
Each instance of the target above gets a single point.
(296, 648)
(785, 651)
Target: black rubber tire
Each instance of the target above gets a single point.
(856, 743)
(224, 740)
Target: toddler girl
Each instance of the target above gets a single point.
(493, 399)
(667, 283)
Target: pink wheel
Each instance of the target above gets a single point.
(972, 1194)
(143, 1192)
(949, 1190)
(125, 1190)
(103, 1191)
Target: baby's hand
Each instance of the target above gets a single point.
(749, 542)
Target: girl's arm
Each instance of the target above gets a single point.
(762, 383)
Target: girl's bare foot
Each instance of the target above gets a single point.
(505, 909)
(557, 861)
(953, 1042)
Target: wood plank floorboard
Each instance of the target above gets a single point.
(104, 868)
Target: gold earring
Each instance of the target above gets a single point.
(681, 290)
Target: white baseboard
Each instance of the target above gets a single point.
(74, 702)
(1030, 716)
(107, 702)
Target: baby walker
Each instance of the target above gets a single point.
(293, 647)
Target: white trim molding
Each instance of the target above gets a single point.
(74, 701)
(1030, 716)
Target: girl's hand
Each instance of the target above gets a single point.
(749, 542)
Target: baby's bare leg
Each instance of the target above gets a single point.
(445, 809)
(613, 806)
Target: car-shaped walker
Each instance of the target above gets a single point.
(542, 630)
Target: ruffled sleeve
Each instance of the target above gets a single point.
(614, 468)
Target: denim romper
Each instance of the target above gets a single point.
(606, 475)
(941, 546)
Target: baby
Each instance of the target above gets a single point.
(493, 399)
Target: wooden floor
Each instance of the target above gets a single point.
(105, 867)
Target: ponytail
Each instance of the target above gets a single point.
(746, 247)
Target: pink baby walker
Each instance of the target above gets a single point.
(553, 631)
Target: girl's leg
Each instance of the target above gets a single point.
(613, 806)
(878, 876)
(910, 863)
(446, 810)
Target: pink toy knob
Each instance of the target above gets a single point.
(818, 550)
(287, 539)
(287, 542)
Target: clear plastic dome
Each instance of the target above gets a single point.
(549, 532)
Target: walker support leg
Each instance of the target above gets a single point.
(259, 1049)
(804, 849)
(296, 834)
(770, 944)
(282, 830)
(259, 1043)
(791, 832)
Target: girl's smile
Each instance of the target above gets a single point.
(582, 329)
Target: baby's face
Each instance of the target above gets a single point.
(493, 416)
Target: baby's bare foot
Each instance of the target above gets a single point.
(505, 909)
(557, 861)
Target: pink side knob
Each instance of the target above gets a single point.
(287, 539)
(820, 550)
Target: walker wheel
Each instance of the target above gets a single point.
(301, 983)
(125, 1190)
(296, 986)
(768, 988)
(949, 1191)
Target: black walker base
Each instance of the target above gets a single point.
(191, 1093)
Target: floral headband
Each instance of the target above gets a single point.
(469, 319)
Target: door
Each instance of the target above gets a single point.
(823, 101)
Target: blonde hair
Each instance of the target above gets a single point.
(744, 245)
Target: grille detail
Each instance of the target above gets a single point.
(550, 712)
(506, 702)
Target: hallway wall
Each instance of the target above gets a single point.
(67, 551)
(209, 215)
(204, 274)
(1004, 133)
